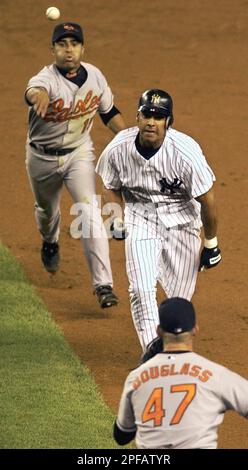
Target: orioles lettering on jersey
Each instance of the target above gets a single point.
(170, 369)
(82, 107)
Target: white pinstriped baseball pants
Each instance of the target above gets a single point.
(168, 256)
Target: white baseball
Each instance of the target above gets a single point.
(52, 13)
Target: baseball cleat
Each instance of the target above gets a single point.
(106, 296)
(50, 256)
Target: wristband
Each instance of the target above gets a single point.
(210, 243)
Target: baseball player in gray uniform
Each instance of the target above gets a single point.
(177, 399)
(167, 187)
(64, 98)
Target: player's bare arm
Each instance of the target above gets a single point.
(211, 254)
(39, 98)
(113, 120)
(208, 214)
(116, 124)
(117, 227)
(112, 196)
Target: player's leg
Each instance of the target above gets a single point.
(142, 262)
(46, 185)
(180, 261)
(80, 182)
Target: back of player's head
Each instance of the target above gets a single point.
(176, 315)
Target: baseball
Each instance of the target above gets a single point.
(52, 13)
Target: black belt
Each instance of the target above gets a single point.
(51, 151)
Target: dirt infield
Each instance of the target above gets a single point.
(196, 50)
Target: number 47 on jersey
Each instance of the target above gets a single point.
(154, 407)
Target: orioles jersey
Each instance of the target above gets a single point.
(70, 115)
(178, 400)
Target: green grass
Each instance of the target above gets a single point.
(47, 398)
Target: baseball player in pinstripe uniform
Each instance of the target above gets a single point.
(64, 98)
(177, 399)
(167, 187)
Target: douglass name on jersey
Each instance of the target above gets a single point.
(170, 369)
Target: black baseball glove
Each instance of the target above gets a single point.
(210, 257)
(153, 348)
(117, 229)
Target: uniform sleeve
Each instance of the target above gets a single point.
(125, 418)
(107, 168)
(122, 437)
(234, 390)
(198, 175)
(42, 79)
(107, 99)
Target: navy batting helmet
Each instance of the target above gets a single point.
(157, 101)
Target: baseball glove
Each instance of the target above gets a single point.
(153, 348)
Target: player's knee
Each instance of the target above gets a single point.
(141, 294)
(47, 213)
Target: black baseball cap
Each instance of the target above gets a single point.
(176, 315)
(64, 30)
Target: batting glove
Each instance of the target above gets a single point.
(117, 229)
(210, 255)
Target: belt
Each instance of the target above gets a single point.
(51, 151)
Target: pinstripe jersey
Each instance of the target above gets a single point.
(177, 401)
(168, 182)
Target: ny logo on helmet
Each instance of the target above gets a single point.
(155, 99)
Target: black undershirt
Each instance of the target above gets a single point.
(79, 78)
(146, 152)
(122, 437)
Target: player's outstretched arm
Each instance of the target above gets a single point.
(39, 98)
(211, 254)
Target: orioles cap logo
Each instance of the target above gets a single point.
(69, 27)
(155, 99)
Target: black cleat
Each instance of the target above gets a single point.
(106, 296)
(50, 256)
